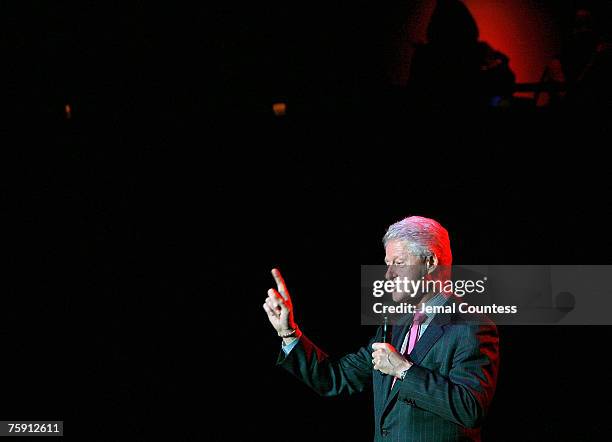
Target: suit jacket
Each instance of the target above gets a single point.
(445, 394)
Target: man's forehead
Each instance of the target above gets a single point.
(395, 248)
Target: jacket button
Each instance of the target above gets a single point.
(385, 432)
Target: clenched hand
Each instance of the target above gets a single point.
(386, 359)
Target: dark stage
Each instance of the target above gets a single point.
(151, 188)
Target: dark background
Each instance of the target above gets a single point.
(140, 232)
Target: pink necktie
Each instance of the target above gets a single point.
(412, 337)
(415, 330)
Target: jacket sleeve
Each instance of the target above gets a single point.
(465, 395)
(347, 375)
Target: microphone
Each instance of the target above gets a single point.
(385, 322)
(385, 329)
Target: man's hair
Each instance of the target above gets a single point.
(424, 237)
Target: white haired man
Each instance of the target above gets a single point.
(435, 379)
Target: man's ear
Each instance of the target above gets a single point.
(432, 263)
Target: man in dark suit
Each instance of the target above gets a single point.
(435, 379)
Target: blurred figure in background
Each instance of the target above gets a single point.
(454, 70)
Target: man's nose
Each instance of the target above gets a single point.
(390, 274)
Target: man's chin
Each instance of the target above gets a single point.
(403, 297)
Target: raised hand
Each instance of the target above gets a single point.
(278, 306)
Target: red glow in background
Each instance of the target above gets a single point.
(524, 30)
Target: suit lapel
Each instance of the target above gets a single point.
(434, 331)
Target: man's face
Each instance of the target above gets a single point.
(401, 264)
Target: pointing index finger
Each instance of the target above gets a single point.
(280, 283)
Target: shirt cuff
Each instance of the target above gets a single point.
(287, 348)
